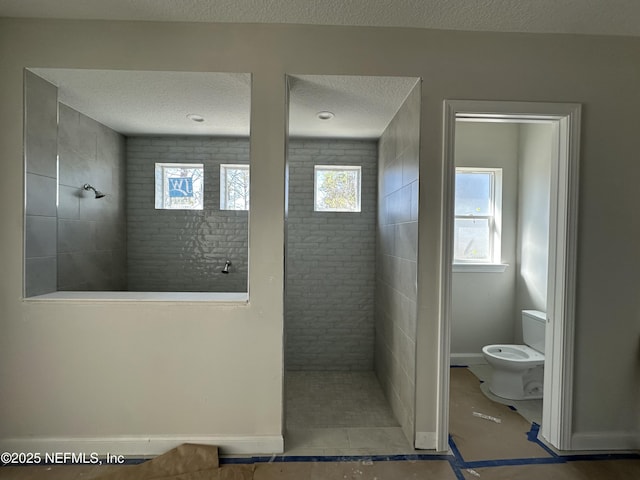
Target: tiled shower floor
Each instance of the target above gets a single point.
(340, 413)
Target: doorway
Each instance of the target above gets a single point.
(560, 286)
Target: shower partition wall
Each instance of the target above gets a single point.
(92, 254)
(397, 254)
(74, 238)
(41, 150)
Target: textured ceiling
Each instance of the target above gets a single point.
(138, 103)
(363, 106)
(606, 17)
(158, 102)
(133, 102)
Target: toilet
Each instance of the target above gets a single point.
(518, 370)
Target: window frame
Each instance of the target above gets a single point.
(224, 167)
(161, 191)
(494, 262)
(353, 168)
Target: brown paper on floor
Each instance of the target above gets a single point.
(579, 470)
(186, 462)
(406, 470)
(481, 439)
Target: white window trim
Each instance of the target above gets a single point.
(479, 267)
(353, 168)
(223, 183)
(160, 191)
(495, 225)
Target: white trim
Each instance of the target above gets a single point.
(162, 198)
(446, 274)
(234, 298)
(224, 192)
(137, 446)
(460, 359)
(494, 219)
(331, 168)
(557, 407)
(605, 441)
(426, 440)
(563, 234)
(479, 267)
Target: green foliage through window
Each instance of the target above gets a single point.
(337, 188)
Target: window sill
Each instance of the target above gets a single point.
(174, 297)
(479, 267)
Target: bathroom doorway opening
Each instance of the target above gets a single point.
(469, 124)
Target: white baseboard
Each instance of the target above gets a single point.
(139, 446)
(426, 440)
(467, 359)
(605, 441)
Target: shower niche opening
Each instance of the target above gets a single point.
(136, 181)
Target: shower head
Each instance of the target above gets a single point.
(98, 193)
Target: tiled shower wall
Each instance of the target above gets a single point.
(72, 240)
(396, 277)
(184, 250)
(91, 232)
(41, 170)
(330, 263)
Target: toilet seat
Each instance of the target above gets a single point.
(514, 353)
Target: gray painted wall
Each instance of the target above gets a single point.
(184, 250)
(79, 360)
(483, 304)
(396, 276)
(41, 117)
(91, 232)
(330, 263)
(534, 184)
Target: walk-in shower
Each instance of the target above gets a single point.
(351, 262)
(101, 133)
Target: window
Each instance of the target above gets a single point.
(337, 188)
(234, 187)
(477, 227)
(179, 186)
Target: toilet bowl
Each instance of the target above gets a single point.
(518, 370)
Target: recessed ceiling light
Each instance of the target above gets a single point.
(195, 118)
(325, 115)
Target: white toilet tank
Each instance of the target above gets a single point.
(534, 324)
